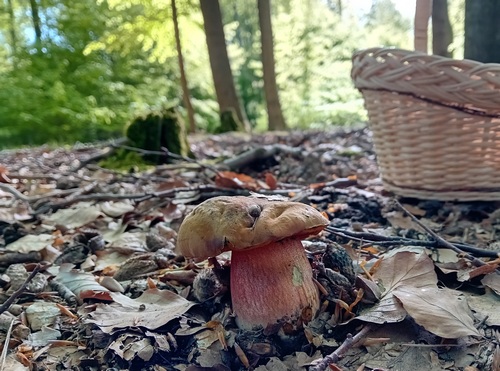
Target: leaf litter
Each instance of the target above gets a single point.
(109, 291)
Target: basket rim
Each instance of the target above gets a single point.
(464, 83)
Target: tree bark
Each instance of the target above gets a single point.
(423, 11)
(274, 112)
(482, 34)
(185, 89)
(219, 62)
(12, 26)
(442, 33)
(35, 15)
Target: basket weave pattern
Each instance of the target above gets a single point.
(435, 123)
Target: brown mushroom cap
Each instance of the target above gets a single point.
(237, 223)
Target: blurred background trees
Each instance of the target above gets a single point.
(80, 70)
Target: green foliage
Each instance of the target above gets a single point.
(101, 63)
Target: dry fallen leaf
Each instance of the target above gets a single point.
(440, 311)
(31, 242)
(77, 216)
(153, 309)
(83, 285)
(486, 306)
(403, 268)
(229, 179)
(492, 280)
(116, 209)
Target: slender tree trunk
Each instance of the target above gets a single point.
(274, 113)
(423, 12)
(185, 89)
(219, 62)
(12, 26)
(482, 34)
(442, 33)
(35, 15)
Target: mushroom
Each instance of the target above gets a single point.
(271, 279)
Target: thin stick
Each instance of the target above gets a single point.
(20, 290)
(349, 342)
(381, 240)
(6, 345)
(441, 241)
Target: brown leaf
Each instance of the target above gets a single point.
(78, 215)
(496, 359)
(151, 310)
(229, 179)
(403, 268)
(3, 175)
(492, 280)
(485, 306)
(271, 181)
(440, 311)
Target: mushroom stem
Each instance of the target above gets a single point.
(272, 283)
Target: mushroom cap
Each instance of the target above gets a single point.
(236, 223)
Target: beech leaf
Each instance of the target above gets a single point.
(492, 280)
(77, 216)
(153, 309)
(403, 268)
(440, 311)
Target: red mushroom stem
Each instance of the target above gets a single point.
(271, 283)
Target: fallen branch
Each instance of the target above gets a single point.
(11, 257)
(257, 154)
(349, 342)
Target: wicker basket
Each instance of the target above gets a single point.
(435, 123)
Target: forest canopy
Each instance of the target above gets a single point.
(79, 71)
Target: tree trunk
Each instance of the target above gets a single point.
(442, 33)
(274, 113)
(36, 21)
(185, 89)
(423, 11)
(225, 90)
(12, 27)
(482, 34)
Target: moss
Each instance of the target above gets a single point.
(157, 129)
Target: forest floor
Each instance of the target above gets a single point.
(90, 280)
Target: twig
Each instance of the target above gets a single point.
(441, 241)
(14, 192)
(31, 199)
(349, 342)
(6, 345)
(107, 151)
(382, 240)
(20, 290)
(190, 160)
